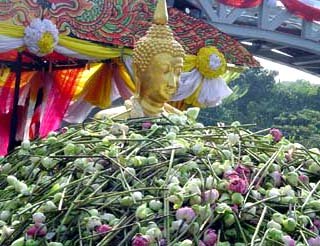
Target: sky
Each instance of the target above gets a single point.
(287, 73)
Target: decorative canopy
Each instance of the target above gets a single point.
(122, 23)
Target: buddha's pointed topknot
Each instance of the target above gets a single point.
(161, 14)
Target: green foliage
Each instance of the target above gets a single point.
(293, 107)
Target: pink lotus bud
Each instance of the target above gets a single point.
(39, 230)
(238, 185)
(277, 178)
(276, 134)
(211, 196)
(210, 237)
(103, 229)
(314, 241)
(288, 241)
(304, 179)
(316, 223)
(243, 171)
(230, 174)
(235, 208)
(146, 125)
(186, 213)
(140, 240)
(201, 243)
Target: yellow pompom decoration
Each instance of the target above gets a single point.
(211, 62)
(46, 43)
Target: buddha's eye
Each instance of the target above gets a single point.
(166, 69)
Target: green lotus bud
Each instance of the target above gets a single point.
(155, 205)
(314, 168)
(69, 149)
(49, 206)
(25, 144)
(198, 148)
(114, 222)
(129, 171)
(210, 184)
(229, 219)
(22, 188)
(55, 244)
(51, 140)
(93, 222)
(275, 234)
(19, 242)
(226, 154)
(237, 198)
(277, 217)
(223, 244)
(249, 211)
(288, 200)
(152, 160)
(195, 200)
(11, 180)
(225, 197)
(32, 242)
(108, 217)
(223, 185)
(5, 215)
(223, 208)
(194, 228)
(289, 224)
(48, 163)
(292, 178)
(57, 197)
(186, 242)
(6, 168)
(171, 136)
(233, 138)
(6, 232)
(273, 224)
(231, 233)
(154, 234)
(126, 201)
(315, 204)
(142, 212)
(304, 220)
(137, 195)
(192, 113)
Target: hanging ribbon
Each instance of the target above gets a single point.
(242, 3)
(305, 9)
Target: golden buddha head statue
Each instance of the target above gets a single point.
(157, 63)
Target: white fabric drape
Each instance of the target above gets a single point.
(189, 82)
(8, 43)
(213, 91)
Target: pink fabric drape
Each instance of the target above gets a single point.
(242, 3)
(302, 9)
(58, 99)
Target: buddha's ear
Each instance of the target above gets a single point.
(136, 76)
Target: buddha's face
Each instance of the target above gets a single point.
(160, 80)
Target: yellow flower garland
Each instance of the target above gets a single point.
(203, 62)
(46, 43)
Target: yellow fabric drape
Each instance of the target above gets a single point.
(99, 89)
(87, 77)
(123, 73)
(4, 74)
(90, 49)
(11, 30)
